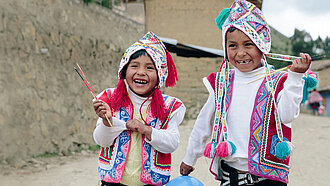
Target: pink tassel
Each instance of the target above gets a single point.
(225, 149)
(222, 149)
(120, 96)
(207, 151)
(172, 76)
(158, 105)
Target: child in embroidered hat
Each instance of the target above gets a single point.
(248, 118)
(136, 149)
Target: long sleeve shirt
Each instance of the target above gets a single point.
(239, 115)
(163, 140)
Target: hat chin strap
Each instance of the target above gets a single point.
(157, 105)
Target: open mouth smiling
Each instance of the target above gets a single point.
(142, 82)
(243, 62)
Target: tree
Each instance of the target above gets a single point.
(319, 47)
(302, 42)
(327, 47)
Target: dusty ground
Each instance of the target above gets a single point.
(310, 161)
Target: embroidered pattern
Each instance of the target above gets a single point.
(157, 51)
(249, 19)
(156, 166)
(263, 138)
(120, 151)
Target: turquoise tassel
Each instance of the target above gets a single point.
(225, 149)
(233, 147)
(283, 150)
(220, 20)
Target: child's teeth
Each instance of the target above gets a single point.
(141, 82)
(243, 62)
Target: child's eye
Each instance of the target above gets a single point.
(231, 45)
(249, 44)
(150, 68)
(134, 66)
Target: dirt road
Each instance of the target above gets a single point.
(310, 161)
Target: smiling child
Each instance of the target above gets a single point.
(248, 118)
(137, 149)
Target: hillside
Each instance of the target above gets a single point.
(280, 43)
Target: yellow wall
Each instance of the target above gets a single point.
(188, 21)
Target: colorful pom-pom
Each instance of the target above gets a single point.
(283, 150)
(172, 76)
(207, 152)
(220, 20)
(225, 149)
(158, 105)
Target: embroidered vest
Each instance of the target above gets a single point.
(263, 136)
(156, 166)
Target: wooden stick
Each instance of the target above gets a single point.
(83, 77)
(270, 74)
(106, 117)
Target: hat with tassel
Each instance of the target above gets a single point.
(166, 71)
(156, 49)
(249, 19)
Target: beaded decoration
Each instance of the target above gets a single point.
(246, 17)
(221, 110)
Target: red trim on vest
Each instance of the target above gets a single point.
(211, 78)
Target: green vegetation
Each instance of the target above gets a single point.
(46, 155)
(94, 148)
(105, 3)
(301, 41)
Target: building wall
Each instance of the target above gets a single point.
(324, 78)
(188, 21)
(327, 103)
(324, 81)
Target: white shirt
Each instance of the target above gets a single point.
(239, 115)
(163, 140)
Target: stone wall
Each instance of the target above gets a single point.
(45, 107)
(190, 88)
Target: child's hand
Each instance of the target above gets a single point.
(137, 126)
(301, 65)
(185, 169)
(102, 109)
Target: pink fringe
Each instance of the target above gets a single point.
(120, 96)
(172, 77)
(222, 149)
(207, 151)
(158, 105)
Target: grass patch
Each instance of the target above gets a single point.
(94, 148)
(46, 155)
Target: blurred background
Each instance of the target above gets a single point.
(45, 108)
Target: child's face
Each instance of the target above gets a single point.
(242, 52)
(141, 75)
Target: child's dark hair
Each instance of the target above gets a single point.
(232, 29)
(120, 97)
(133, 56)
